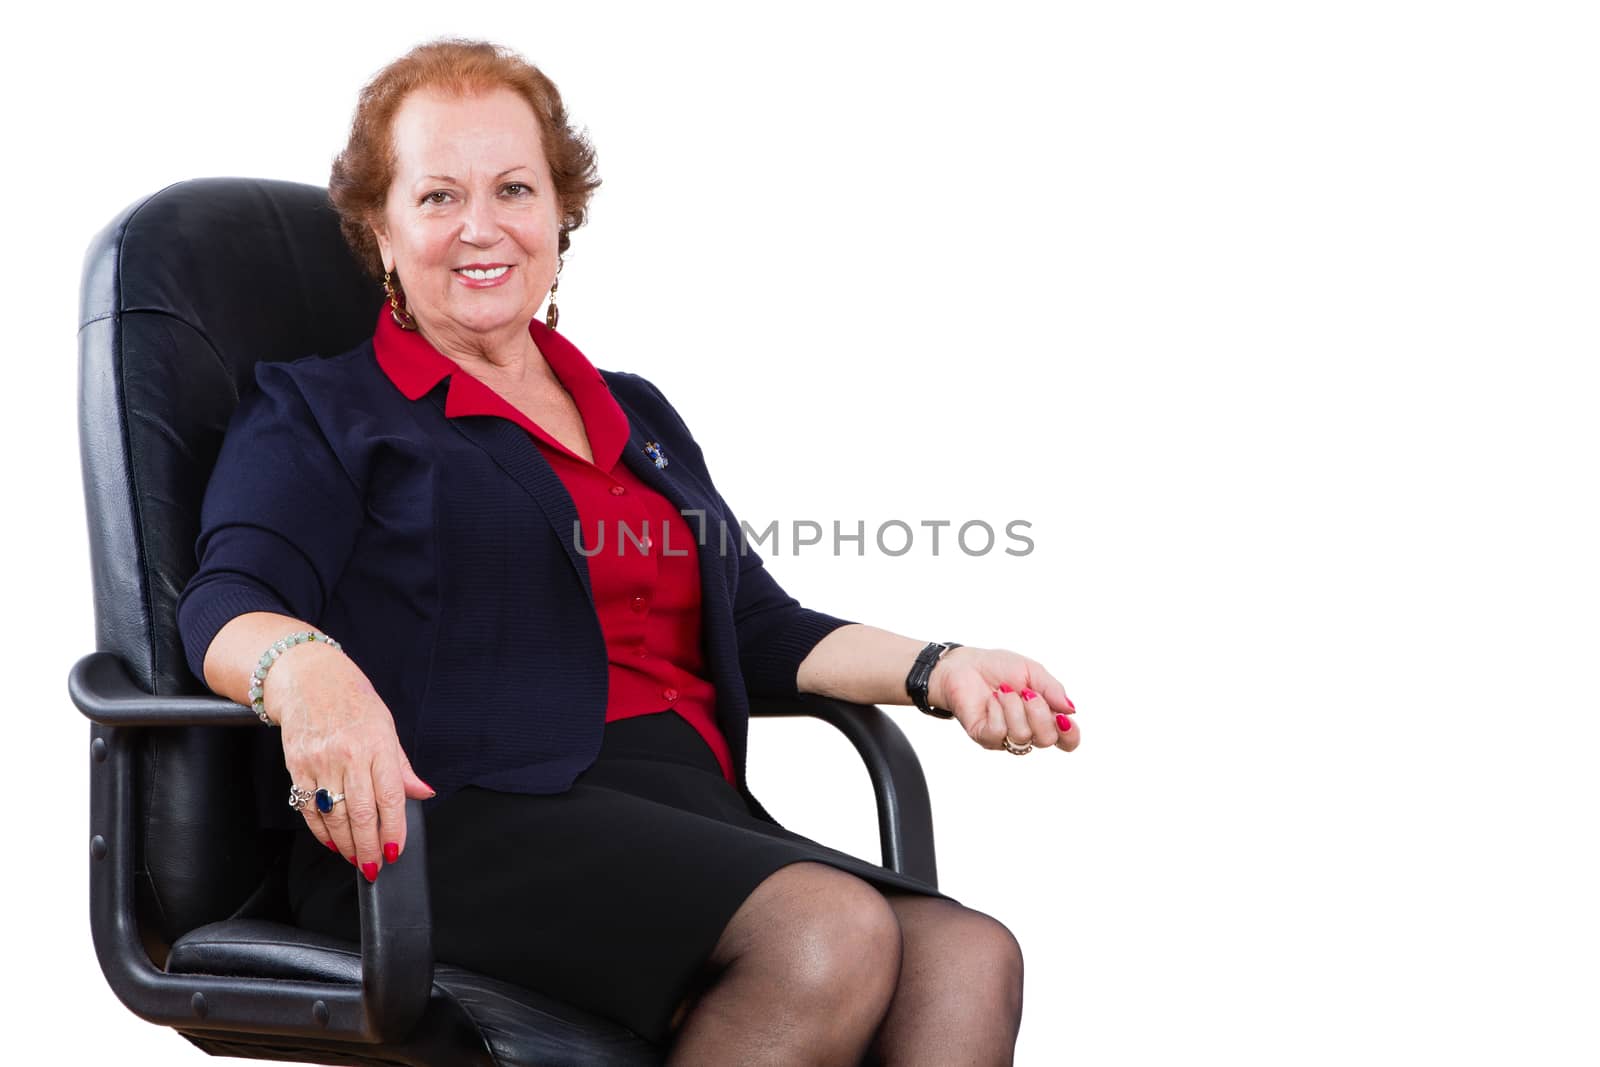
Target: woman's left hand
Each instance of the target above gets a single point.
(996, 693)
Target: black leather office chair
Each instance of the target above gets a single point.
(182, 294)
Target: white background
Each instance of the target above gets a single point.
(1277, 322)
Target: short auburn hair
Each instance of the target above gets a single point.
(362, 173)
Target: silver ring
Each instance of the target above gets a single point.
(321, 799)
(1016, 749)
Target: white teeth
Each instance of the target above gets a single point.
(484, 275)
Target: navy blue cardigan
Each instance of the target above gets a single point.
(439, 552)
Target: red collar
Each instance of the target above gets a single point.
(415, 367)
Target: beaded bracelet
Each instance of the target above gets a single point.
(268, 658)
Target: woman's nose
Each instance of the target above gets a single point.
(480, 226)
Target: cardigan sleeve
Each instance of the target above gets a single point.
(775, 632)
(278, 521)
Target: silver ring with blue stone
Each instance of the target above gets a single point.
(321, 799)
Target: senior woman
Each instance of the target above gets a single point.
(413, 579)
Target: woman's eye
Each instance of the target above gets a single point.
(438, 196)
(518, 189)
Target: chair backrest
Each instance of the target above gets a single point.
(182, 294)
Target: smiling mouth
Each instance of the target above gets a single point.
(482, 274)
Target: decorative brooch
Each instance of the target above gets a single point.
(653, 450)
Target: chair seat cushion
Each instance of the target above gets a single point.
(469, 1019)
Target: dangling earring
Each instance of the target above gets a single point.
(397, 307)
(552, 314)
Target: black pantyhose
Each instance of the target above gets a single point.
(820, 967)
(959, 999)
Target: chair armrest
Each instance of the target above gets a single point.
(905, 816)
(397, 936)
(102, 689)
(396, 922)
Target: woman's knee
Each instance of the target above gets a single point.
(824, 933)
(994, 953)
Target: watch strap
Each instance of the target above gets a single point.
(922, 672)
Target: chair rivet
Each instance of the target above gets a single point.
(100, 750)
(98, 847)
(198, 1004)
(320, 1013)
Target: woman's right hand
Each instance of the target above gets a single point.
(339, 735)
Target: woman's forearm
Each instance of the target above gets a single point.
(234, 652)
(861, 664)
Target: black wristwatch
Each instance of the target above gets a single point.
(921, 671)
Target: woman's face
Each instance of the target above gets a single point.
(471, 192)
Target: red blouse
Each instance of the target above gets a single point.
(648, 601)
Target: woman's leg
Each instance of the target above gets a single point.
(959, 999)
(803, 974)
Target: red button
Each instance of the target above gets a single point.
(669, 694)
(647, 542)
(617, 490)
(637, 603)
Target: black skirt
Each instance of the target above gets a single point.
(610, 896)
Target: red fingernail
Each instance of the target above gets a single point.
(1063, 723)
(1004, 688)
(391, 851)
(352, 860)
(370, 870)
(1070, 704)
(1028, 694)
(331, 845)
